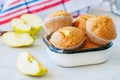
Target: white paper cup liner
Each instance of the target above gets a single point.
(53, 24)
(95, 39)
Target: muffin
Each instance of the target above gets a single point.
(80, 22)
(56, 20)
(101, 30)
(88, 44)
(67, 38)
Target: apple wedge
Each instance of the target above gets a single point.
(17, 40)
(29, 23)
(29, 65)
(20, 26)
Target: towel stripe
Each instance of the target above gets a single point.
(14, 7)
(17, 1)
(20, 9)
(48, 6)
(16, 12)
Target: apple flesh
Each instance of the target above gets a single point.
(17, 40)
(20, 26)
(28, 23)
(29, 65)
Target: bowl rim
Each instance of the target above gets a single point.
(62, 51)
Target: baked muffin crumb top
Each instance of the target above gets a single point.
(80, 22)
(67, 37)
(102, 26)
(59, 13)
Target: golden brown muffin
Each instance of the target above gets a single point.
(101, 30)
(88, 44)
(56, 20)
(80, 22)
(58, 13)
(67, 38)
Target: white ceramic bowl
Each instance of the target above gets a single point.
(78, 57)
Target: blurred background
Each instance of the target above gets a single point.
(10, 9)
(104, 5)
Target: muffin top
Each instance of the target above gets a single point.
(88, 44)
(59, 13)
(67, 37)
(102, 26)
(81, 21)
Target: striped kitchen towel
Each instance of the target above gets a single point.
(14, 8)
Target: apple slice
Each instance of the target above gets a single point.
(20, 26)
(29, 65)
(17, 40)
(29, 23)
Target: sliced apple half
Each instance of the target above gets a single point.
(17, 40)
(29, 23)
(20, 26)
(29, 65)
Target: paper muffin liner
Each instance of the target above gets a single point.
(71, 48)
(53, 24)
(95, 39)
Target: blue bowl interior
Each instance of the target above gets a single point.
(56, 50)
